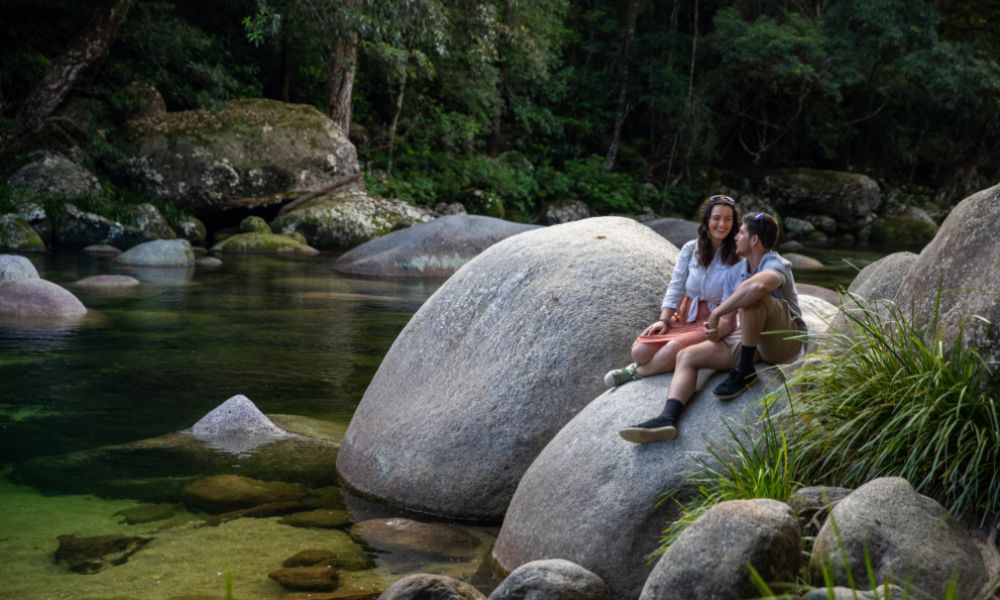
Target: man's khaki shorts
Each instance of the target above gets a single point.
(777, 344)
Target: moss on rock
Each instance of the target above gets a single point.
(254, 224)
(902, 230)
(17, 234)
(264, 243)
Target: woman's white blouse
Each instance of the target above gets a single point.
(710, 284)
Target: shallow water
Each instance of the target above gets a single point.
(290, 334)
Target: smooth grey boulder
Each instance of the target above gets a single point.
(796, 229)
(158, 253)
(489, 368)
(908, 538)
(881, 279)
(347, 218)
(851, 198)
(552, 579)
(236, 426)
(591, 497)
(54, 176)
(566, 211)
(38, 298)
(16, 268)
(424, 586)
(801, 261)
(713, 556)
(434, 249)
(107, 282)
(677, 231)
(812, 504)
(243, 153)
(962, 263)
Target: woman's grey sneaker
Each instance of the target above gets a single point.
(653, 430)
(623, 375)
(734, 384)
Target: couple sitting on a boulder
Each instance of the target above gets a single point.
(727, 270)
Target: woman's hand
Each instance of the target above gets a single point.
(658, 328)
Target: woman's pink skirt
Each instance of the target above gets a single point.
(686, 334)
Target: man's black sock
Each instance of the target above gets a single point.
(672, 410)
(745, 364)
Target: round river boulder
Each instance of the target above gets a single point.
(434, 249)
(38, 298)
(506, 352)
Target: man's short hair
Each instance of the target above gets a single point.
(763, 226)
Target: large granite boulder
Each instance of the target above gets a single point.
(962, 264)
(77, 228)
(344, 219)
(434, 249)
(677, 231)
(713, 556)
(885, 525)
(495, 362)
(553, 579)
(881, 279)
(592, 498)
(245, 153)
(38, 298)
(851, 198)
(15, 268)
(158, 253)
(18, 235)
(54, 176)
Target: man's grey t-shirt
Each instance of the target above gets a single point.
(772, 261)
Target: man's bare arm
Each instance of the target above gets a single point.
(746, 293)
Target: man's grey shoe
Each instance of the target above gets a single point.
(734, 385)
(623, 375)
(653, 430)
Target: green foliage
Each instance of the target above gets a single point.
(752, 465)
(889, 397)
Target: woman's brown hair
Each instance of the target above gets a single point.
(727, 251)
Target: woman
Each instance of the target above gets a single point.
(695, 289)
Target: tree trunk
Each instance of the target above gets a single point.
(399, 109)
(631, 15)
(89, 47)
(340, 71)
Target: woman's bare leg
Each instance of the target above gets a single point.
(662, 361)
(705, 355)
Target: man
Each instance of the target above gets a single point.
(770, 330)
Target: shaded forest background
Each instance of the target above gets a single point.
(625, 104)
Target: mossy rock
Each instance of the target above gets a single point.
(255, 224)
(264, 243)
(18, 235)
(902, 230)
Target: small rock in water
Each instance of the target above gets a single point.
(222, 493)
(322, 518)
(107, 281)
(208, 261)
(309, 558)
(146, 513)
(321, 579)
(436, 587)
(236, 416)
(96, 553)
(425, 538)
(102, 249)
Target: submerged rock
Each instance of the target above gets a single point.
(320, 579)
(107, 282)
(436, 539)
(264, 243)
(221, 493)
(146, 513)
(321, 518)
(96, 553)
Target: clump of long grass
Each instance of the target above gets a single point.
(887, 396)
(753, 463)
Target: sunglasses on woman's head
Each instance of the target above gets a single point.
(758, 217)
(721, 198)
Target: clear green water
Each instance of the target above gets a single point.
(290, 334)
